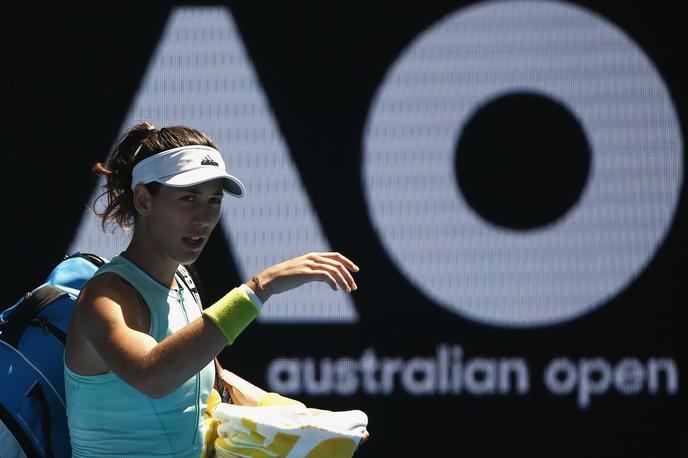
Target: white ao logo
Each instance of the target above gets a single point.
(554, 273)
(200, 75)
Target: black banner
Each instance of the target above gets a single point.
(509, 176)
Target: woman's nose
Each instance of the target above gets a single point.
(205, 216)
(202, 217)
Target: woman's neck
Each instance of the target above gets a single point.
(145, 256)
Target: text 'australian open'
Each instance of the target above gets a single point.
(448, 372)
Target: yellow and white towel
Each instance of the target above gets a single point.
(285, 431)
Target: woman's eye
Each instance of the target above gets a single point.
(189, 198)
(216, 200)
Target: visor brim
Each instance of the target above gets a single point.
(231, 184)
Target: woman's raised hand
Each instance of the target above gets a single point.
(332, 268)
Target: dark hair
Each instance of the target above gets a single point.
(139, 142)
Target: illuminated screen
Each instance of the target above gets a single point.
(507, 174)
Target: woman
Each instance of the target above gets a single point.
(139, 353)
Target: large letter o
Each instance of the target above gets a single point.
(549, 274)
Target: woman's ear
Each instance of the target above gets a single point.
(143, 199)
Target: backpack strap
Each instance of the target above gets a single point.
(27, 310)
(94, 258)
(26, 445)
(37, 392)
(187, 279)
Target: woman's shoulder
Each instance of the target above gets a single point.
(107, 286)
(108, 296)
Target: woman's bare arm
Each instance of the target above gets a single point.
(102, 316)
(106, 326)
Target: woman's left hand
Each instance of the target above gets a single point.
(330, 267)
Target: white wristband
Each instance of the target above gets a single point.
(256, 300)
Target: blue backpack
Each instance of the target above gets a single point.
(33, 422)
(33, 332)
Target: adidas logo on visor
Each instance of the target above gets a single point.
(209, 161)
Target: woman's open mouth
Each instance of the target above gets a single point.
(193, 242)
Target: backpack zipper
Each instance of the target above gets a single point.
(49, 328)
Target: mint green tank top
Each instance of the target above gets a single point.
(109, 418)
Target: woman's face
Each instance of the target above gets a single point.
(182, 219)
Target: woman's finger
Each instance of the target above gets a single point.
(341, 269)
(323, 276)
(337, 274)
(336, 255)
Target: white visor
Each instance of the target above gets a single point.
(186, 166)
